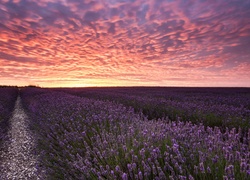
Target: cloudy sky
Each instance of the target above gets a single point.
(125, 42)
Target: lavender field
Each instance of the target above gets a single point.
(221, 107)
(8, 97)
(140, 133)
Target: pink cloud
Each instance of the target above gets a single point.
(179, 42)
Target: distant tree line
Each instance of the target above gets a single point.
(9, 86)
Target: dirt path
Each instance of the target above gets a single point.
(18, 160)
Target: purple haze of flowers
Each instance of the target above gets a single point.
(82, 138)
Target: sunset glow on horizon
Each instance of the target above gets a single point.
(79, 43)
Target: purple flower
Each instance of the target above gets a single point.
(140, 176)
(208, 170)
(117, 168)
(225, 178)
(190, 177)
(124, 176)
(201, 167)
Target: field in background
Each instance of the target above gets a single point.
(222, 107)
(141, 133)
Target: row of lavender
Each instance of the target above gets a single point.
(223, 107)
(81, 138)
(8, 97)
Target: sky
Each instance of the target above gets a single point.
(79, 43)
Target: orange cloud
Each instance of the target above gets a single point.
(135, 42)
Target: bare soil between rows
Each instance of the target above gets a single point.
(18, 160)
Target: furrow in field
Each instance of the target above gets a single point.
(19, 161)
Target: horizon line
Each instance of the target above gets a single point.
(36, 86)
